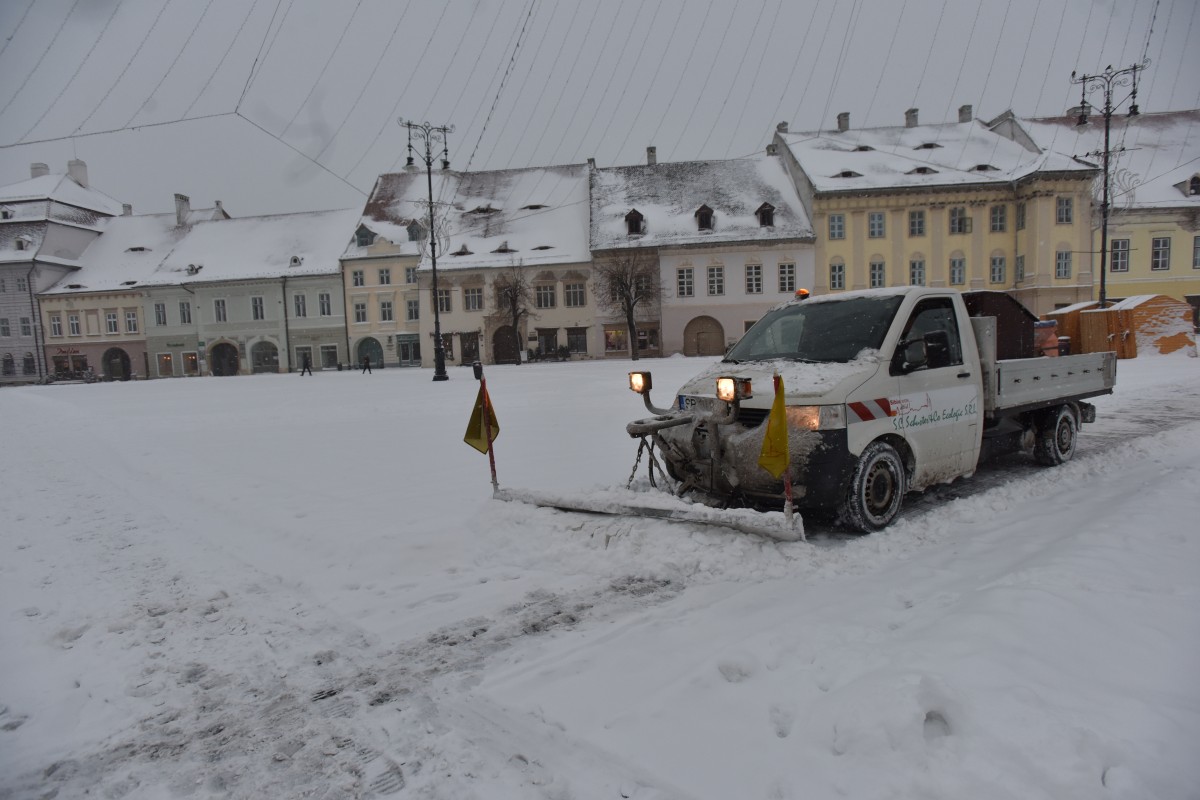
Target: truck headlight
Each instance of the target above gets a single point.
(640, 382)
(816, 418)
(730, 389)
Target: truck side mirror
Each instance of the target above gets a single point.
(910, 356)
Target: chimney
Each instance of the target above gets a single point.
(220, 212)
(126, 209)
(965, 113)
(37, 169)
(652, 155)
(910, 118)
(843, 121)
(782, 127)
(591, 163)
(77, 170)
(772, 149)
(183, 209)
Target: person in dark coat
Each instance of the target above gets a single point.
(366, 365)
(306, 366)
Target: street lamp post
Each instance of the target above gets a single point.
(431, 134)
(1107, 81)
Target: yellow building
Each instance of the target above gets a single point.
(956, 205)
(379, 272)
(1154, 210)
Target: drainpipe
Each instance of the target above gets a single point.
(36, 319)
(195, 325)
(287, 348)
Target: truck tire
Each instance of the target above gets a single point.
(876, 491)
(1057, 432)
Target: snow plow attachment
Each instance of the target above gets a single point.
(626, 503)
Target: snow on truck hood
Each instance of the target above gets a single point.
(803, 381)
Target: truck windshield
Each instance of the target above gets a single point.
(828, 330)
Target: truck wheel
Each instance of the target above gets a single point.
(1057, 432)
(876, 490)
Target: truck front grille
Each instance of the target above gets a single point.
(752, 417)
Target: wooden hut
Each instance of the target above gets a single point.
(1159, 322)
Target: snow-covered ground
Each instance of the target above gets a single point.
(284, 586)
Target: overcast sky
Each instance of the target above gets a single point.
(287, 105)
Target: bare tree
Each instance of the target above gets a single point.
(514, 297)
(626, 281)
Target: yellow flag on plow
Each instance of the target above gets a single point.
(478, 435)
(775, 457)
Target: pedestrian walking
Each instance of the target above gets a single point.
(366, 365)
(306, 365)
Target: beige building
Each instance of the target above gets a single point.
(379, 275)
(955, 205)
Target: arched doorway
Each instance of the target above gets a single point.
(504, 346)
(264, 357)
(224, 359)
(115, 364)
(370, 348)
(703, 336)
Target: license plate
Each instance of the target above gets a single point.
(688, 402)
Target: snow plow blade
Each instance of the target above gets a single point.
(622, 503)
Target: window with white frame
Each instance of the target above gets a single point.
(916, 222)
(958, 271)
(410, 274)
(545, 295)
(1160, 253)
(473, 298)
(875, 225)
(716, 280)
(1196, 252)
(787, 278)
(1020, 216)
(112, 322)
(878, 274)
(358, 278)
(1064, 210)
(329, 356)
(72, 325)
(300, 302)
(575, 295)
(5, 329)
(185, 312)
(26, 326)
(386, 314)
(754, 279)
(1062, 264)
(1119, 255)
(131, 322)
(959, 222)
(360, 311)
(22, 285)
(443, 297)
(412, 310)
(1020, 268)
(999, 219)
(160, 314)
(999, 267)
(685, 281)
(577, 340)
(837, 275)
(325, 304)
(916, 272)
(837, 226)
(257, 309)
(385, 276)
(219, 310)
(56, 325)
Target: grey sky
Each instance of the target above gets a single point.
(265, 88)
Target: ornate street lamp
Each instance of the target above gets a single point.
(432, 134)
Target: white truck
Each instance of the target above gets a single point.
(887, 391)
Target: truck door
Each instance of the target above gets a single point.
(938, 407)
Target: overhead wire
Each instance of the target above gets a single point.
(17, 29)
(324, 68)
(171, 68)
(591, 76)
(683, 73)
(786, 82)
(137, 51)
(259, 57)
(298, 152)
(41, 58)
(646, 95)
(762, 54)
(708, 76)
(221, 62)
(886, 59)
(633, 71)
(123, 128)
(855, 8)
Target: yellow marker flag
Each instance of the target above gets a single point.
(775, 457)
(476, 435)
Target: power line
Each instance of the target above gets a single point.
(886, 59)
(253, 73)
(171, 68)
(17, 29)
(298, 152)
(41, 58)
(646, 94)
(708, 75)
(333, 52)
(683, 73)
(757, 71)
(837, 69)
(73, 136)
(641, 50)
(221, 63)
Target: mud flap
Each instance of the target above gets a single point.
(624, 503)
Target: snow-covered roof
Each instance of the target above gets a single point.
(62, 189)
(669, 195)
(126, 254)
(534, 216)
(951, 154)
(258, 247)
(1161, 153)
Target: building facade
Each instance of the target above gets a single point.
(379, 281)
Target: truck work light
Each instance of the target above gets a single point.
(640, 382)
(730, 389)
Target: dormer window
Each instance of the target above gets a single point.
(533, 207)
(364, 236)
(985, 168)
(23, 243)
(848, 173)
(544, 247)
(138, 249)
(927, 146)
(635, 223)
(766, 215)
(863, 148)
(1194, 185)
(704, 218)
(504, 248)
(6, 213)
(296, 261)
(488, 209)
(129, 283)
(415, 232)
(462, 251)
(922, 171)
